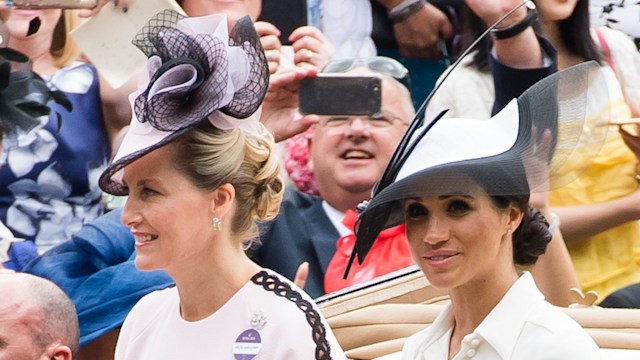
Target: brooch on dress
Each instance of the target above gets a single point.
(249, 342)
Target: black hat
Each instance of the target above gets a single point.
(524, 148)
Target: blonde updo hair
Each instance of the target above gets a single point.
(211, 157)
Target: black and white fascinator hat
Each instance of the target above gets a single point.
(24, 96)
(527, 147)
(196, 70)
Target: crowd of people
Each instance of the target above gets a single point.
(516, 181)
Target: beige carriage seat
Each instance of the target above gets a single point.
(373, 320)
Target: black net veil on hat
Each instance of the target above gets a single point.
(527, 147)
(178, 108)
(191, 76)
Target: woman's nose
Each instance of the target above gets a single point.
(129, 216)
(437, 231)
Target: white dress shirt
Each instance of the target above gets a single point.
(521, 326)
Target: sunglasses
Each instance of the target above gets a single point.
(379, 64)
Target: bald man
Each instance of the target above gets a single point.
(37, 319)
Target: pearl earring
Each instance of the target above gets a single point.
(216, 224)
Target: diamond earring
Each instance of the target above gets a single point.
(216, 223)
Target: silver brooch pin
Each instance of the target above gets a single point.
(258, 320)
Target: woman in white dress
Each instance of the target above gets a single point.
(462, 189)
(199, 170)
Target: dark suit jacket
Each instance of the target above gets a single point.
(301, 232)
(627, 297)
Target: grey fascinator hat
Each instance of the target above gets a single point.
(527, 147)
(196, 71)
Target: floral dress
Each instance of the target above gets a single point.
(49, 177)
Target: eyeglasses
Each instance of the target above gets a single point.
(378, 64)
(369, 122)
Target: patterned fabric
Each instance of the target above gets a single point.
(618, 15)
(15, 253)
(296, 162)
(283, 289)
(49, 178)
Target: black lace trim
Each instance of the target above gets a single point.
(283, 289)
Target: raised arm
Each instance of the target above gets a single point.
(516, 54)
(418, 28)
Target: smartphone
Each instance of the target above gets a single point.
(52, 4)
(286, 15)
(341, 94)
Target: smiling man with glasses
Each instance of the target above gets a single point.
(347, 156)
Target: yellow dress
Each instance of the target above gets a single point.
(610, 260)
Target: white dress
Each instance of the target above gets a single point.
(257, 323)
(521, 326)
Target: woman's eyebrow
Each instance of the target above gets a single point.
(462, 194)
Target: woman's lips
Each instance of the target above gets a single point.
(439, 260)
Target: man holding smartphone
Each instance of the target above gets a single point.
(347, 160)
(347, 155)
